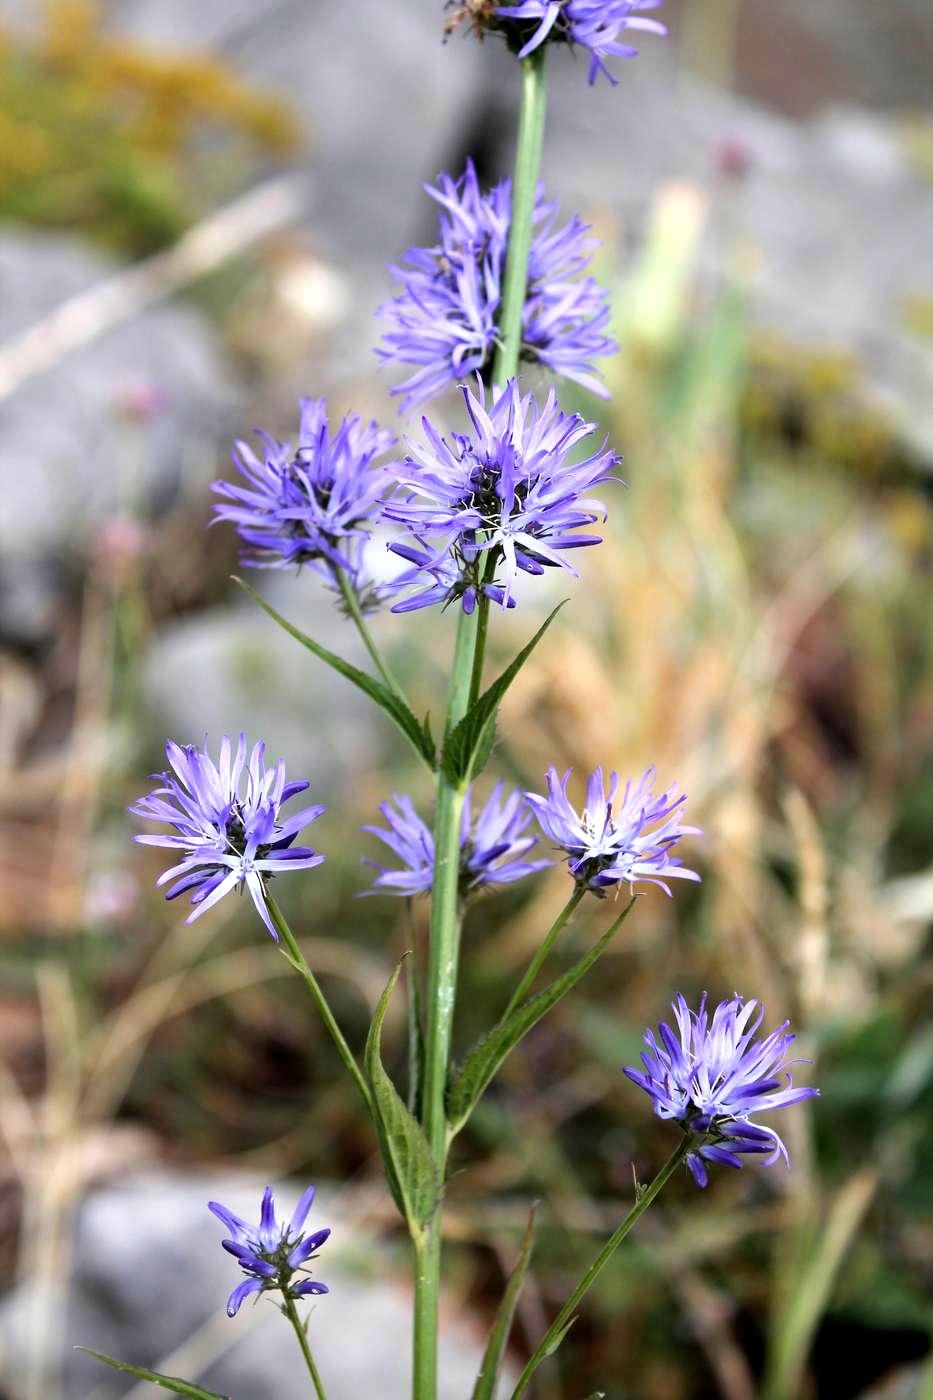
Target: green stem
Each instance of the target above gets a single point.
(295, 956)
(537, 962)
(352, 604)
(555, 1333)
(443, 957)
(466, 677)
(291, 1312)
(524, 187)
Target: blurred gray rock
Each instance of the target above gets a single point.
(126, 425)
(151, 1283)
(228, 669)
(841, 222)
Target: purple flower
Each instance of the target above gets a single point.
(613, 842)
(310, 505)
(713, 1076)
(269, 1253)
(229, 828)
(444, 322)
(593, 24)
(492, 849)
(506, 496)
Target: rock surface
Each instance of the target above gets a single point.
(127, 425)
(151, 1282)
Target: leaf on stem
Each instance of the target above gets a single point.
(172, 1383)
(486, 1058)
(486, 1381)
(417, 733)
(468, 746)
(409, 1165)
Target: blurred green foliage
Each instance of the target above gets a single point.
(125, 143)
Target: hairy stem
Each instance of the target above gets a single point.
(537, 962)
(291, 1312)
(295, 956)
(352, 604)
(524, 186)
(562, 1322)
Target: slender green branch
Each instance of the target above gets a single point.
(562, 1322)
(482, 624)
(295, 956)
(352, 604)
(524, 186)
(291, 1312)
(537, 962)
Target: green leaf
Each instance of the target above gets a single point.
(172, 1383)
(486, 1058)
(486, 1381)
(409, 1164)
(558, 1338)
(417, 733)
(468, 746)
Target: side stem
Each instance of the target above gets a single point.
(296, 958)
(562, 1322)
(352, 605)
(291, 1312)
(537, 962)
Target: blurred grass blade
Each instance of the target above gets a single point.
(469, 745)
(172, 1383)
(417, 733)
(485, 1388)
(415, 1041)
(796, 1328)
(409, 1166)
(486, 1058)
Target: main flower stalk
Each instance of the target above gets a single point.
(464, 686)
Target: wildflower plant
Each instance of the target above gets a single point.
(473, 513)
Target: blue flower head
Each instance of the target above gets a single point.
(444, 323)
(594, 25)
(228, 825)
(506, 496)
(493, 847)
(712, 1077)
(271, 1254)
(311, 504)
(614, 840)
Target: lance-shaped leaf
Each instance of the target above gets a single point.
(486, 1381)
(172, 1383)
(417, 733)
(487, 1056)
(468, 746)
(409, 1165)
